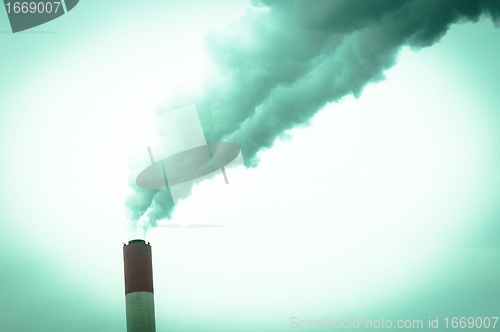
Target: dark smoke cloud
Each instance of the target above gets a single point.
(284, 60)
(278, 66)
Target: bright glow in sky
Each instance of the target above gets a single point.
(384, 206)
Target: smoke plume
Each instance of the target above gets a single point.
(285, 59)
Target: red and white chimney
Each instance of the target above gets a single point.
(139, 299)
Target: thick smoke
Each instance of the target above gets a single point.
(284, 60)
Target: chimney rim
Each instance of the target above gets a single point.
(136, 241)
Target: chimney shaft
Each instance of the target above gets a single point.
(139, 299)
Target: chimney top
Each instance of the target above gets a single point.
(137, 241)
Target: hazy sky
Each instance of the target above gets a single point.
(375, 176)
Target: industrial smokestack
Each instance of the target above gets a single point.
(139, 300)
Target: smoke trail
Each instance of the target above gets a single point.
(286, 59)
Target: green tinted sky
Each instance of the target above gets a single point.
(384, 206)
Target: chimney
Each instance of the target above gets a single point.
(139, 301)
